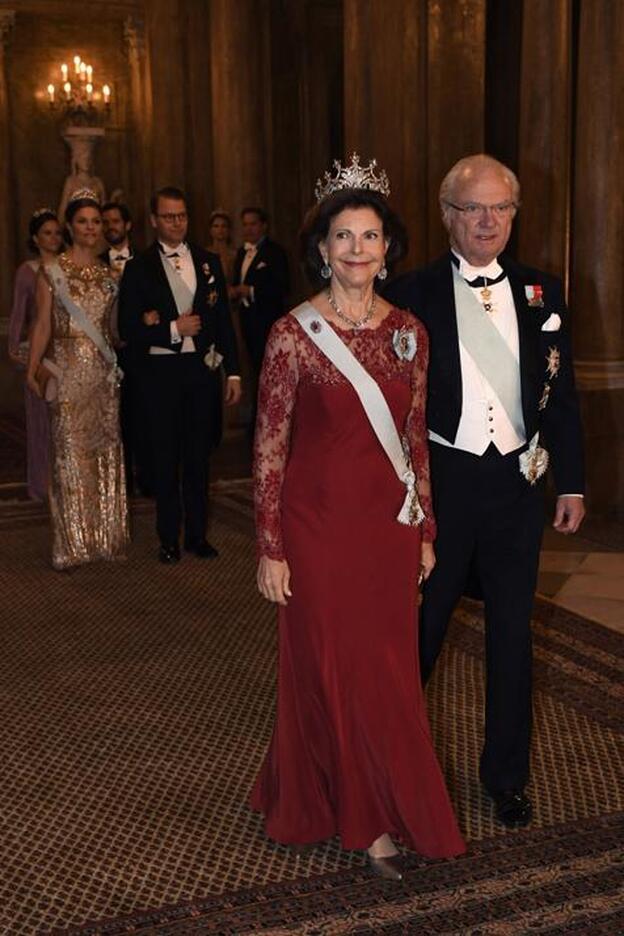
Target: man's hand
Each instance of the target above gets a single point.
(274, 579)
(239, 292)
(568, 514)
(188, 325)
(233, 391)
(151, 318)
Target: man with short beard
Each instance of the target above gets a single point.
(116, 227)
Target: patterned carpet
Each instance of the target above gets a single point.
(137, 703)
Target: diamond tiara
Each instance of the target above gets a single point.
(84, 193)
(43, 211)
(352, 176)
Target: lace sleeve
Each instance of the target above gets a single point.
(416, 430)
(276, 399)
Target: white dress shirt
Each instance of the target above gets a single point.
(118, 257)
(483, 419)
(180, 260)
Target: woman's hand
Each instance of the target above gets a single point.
(33, 385)
(274, 579)
(427, 562)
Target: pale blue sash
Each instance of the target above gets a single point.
(82, 321)
(371, 398)
(489, 350)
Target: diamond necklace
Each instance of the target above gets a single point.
(355, 323)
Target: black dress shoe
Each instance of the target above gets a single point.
(203, 549)
(513, 808)
(169, 554)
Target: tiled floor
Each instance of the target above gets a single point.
(585, 572)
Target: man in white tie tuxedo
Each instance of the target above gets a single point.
(501, 400)
(116, 227)
(260, 284)
(173, 303)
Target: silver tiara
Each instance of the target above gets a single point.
(84, 193)
(42, 211)
(352, 176)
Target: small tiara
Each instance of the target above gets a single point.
(353, 176)
(84, 193)
(43, 211)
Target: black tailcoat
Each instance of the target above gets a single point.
(490, 519)
(268, 274)
(429, 295)
(182, 396)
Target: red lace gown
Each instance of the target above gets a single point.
(351, 752)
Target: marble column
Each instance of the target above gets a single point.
(140, 126)
(455, 96)
(414, 83)
(7, 227)
(598, 246)
(200, 125)
(164, 22)
(385, 102)
(544, 145)
(241, 102)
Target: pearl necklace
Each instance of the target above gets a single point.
(355, 323)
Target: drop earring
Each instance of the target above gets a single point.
(326, 271)
(383, 272)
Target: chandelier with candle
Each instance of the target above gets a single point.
(76, 95)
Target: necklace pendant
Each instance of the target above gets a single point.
(485, 293)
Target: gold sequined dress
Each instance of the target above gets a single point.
(88, 490)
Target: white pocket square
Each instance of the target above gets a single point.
(261, 265)
(552, 323)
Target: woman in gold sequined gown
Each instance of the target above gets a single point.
(87, 491)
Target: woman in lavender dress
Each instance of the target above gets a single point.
(45, 239)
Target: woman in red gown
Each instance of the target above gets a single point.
(351, 752)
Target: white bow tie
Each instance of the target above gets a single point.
(470, 272)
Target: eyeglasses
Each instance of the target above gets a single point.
(477, 210)
(172, 218)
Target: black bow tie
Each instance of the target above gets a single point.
(482, 281)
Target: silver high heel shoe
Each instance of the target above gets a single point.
(389, 868)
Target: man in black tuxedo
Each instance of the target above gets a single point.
(261, 284)
(173, 302)
(501, 392)
(117, 227)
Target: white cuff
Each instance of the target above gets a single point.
(571, 495)
(176, 337)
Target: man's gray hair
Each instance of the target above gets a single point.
(471, 165)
